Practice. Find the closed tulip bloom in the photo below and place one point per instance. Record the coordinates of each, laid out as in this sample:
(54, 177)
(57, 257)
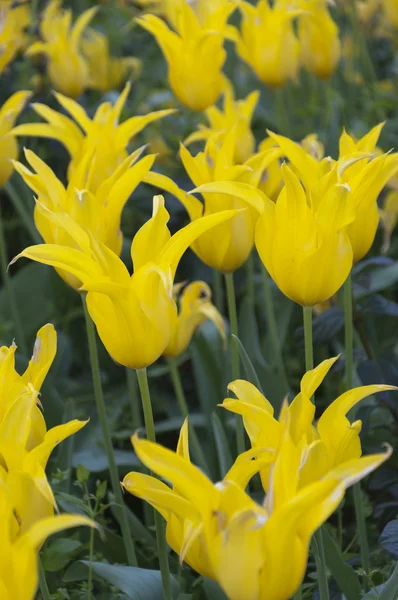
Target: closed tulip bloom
(329, 444)
(267, 42)
(8, 143)
(80, 133)
(99, 212)
(223, 534)
(135, 315)
(67, 68)
(227, 247)
(25, 443)
(235, 114)
(106, 73)
(195, 307)
(194, 53)
(19, 566)
(320, 47)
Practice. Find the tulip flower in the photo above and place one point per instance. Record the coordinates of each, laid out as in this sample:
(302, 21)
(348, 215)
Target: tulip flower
(235, 114)
(8, 143)
(99, 212)
(223, 534)
(105, 72)
(391, 10)
(14, 20)
(25, 443)
(195, 307)
(194, 53)
(227, 247)
(302, 244)
(357, 169)
(135, 315)
(329, 444)
(19, 566)
(267, 42)
(320, 47)
(104, 132)
(389, 217)
(61, 43)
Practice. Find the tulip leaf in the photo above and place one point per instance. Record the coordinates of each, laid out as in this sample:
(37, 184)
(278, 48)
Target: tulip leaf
(250, 372)
(213, 590)
(223, 451)
(342, 572)
(390, 588)
(389, 538)
(380, 280)
(136, 583)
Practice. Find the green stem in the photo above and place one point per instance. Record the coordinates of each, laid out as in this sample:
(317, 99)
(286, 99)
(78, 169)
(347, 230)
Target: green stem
(90, 566)
(133, 395)
(299, 594)
(45, 592)
(233, 320)
(349, 363)
(317, 544)
(218, 291)
(25, 216)
(183, 406)
(273, 328)
(281, 112)
(12, 303)
(159, 525)
(99, 399)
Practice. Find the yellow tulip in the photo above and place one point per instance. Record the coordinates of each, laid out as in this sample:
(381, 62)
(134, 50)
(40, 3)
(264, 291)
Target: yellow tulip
(320, 47)
(105, 72)
(301, 243)
(391, 10)
(19, 550)
(98, 212)
(8, 143)
(14, 20)
(389, 217)
(223, 534)
(357, 169)
(104, 132)
(329, 444)
(25, 443)
(194, 53)
(61, 43)
(227, 247)
(235, 114)
(135, 315)
(267, 42)
(195, 307)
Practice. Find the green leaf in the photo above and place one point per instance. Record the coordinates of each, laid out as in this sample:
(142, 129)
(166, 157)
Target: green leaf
(249, 331)
(136, 583)
(343, 573)
(139, 532)
(390, 589)
(380, 280)
(59, 552)
(250, 371)
(389, 538)
(213, 590)
(223, 451)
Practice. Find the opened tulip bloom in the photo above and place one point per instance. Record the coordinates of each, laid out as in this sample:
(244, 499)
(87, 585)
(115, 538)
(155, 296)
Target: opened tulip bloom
(67, 68)
(18, 567)
(79, 135)
(227, 247)
(235, 114)
(223, 534)
(320, 47)
(135, 314)
(194, 53)
(195, 307)
(99, 211)
(25, 443)
(267, 42)
(8, 143)
(105, 72)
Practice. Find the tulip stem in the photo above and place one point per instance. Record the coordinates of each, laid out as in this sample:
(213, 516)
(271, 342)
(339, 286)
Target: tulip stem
(24, 215)
(218, 291)
(133, 395)
(233, 320)
(114, 475)
(45, 592)
(183, 406)
(317, 543)
(282, 116)
(349, 365)
(12, 303)
(273, 328)
(159, 525)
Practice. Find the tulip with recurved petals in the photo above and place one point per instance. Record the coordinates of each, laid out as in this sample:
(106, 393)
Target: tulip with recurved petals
(135, 315)
(8, 143)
